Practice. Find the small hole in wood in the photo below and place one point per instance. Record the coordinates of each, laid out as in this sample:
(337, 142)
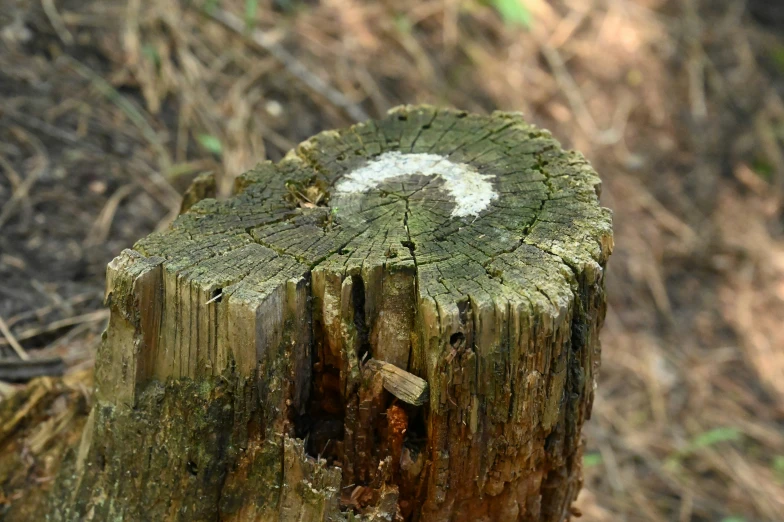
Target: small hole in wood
(417, 426)
(462, 115)
(193, 469)
(426, 126)
(217, 295)
(409, 245)
(402, 117)
(457, 339)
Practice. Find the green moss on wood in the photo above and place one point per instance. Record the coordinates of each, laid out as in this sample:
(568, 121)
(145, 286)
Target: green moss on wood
(242, 330)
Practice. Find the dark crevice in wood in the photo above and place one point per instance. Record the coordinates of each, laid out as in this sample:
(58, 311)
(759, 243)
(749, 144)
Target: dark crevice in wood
(360, 323)
(323, 424)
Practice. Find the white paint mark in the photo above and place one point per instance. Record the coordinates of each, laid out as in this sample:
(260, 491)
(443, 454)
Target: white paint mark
(471, 190)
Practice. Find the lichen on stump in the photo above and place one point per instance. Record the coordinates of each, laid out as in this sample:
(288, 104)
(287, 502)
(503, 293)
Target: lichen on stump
(250, 367)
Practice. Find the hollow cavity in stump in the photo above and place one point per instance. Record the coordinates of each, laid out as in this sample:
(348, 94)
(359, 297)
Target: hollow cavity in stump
(398, 321)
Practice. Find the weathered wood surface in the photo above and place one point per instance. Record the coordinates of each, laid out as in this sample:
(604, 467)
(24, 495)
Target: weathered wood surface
(232, 382)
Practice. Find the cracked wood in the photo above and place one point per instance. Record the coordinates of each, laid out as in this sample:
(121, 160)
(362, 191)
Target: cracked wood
(230, 383)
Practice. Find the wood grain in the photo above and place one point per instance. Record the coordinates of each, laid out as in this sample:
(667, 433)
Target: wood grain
(231, 379)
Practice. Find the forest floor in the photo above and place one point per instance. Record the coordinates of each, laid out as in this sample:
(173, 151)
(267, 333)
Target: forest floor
(109, 108)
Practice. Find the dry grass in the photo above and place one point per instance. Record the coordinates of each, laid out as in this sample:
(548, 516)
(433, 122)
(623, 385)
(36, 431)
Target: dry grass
(678, 104)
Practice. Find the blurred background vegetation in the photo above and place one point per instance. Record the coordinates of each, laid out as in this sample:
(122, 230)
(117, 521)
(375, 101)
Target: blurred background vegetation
(108, 109)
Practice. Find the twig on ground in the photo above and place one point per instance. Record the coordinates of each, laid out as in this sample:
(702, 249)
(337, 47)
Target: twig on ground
(97, 315)
(12, 370)
(10, 339)
(695, 64)
(11, 173)
(150, 180)
(57, 22)
(24, 188)
(30, 121)
(100, 229)
(125, 105)
(40, 312)
(575, 98)
(290, 63)
(51, 295)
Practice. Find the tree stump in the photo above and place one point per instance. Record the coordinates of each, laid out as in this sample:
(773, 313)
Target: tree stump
(398, 321)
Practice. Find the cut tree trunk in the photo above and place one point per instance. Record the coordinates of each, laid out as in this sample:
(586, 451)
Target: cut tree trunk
(398, 321)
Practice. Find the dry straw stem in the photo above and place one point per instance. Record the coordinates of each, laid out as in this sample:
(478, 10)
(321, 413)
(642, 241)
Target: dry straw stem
(22, 191)
(291, 63)
(10, 339)
(30, 333)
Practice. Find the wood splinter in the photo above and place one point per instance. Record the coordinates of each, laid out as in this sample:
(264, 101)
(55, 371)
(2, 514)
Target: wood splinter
(404, 385)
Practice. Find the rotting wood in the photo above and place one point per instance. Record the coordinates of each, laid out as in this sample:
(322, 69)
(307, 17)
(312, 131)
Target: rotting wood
(230, 384)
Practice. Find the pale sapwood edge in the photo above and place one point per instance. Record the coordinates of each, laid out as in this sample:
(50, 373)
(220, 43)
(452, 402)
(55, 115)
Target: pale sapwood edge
(230, 383)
